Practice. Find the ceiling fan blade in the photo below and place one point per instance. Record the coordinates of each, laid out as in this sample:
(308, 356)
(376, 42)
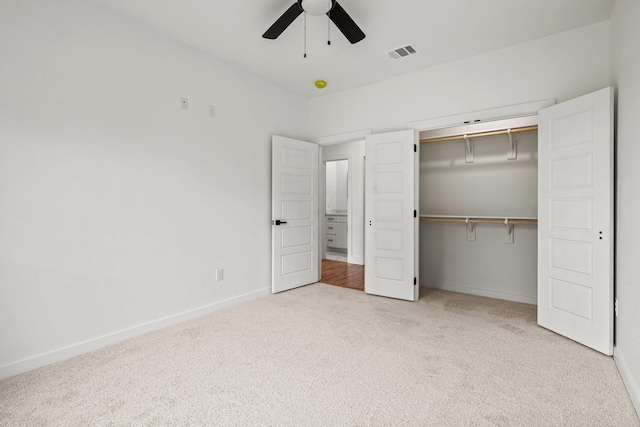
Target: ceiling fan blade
(283, 22)
(343, 21)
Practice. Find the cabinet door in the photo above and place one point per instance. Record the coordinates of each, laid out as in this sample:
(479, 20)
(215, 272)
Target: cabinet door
(341, 235)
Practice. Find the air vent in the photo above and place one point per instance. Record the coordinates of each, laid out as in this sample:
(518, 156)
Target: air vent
(402, 52)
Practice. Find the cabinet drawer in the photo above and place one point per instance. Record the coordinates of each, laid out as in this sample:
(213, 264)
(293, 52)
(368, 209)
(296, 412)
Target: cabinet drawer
(331, 240)
(330, 228)
(330, 218)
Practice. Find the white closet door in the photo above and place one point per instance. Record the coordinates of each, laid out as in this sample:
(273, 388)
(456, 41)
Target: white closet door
(391, 222)
(575, 228)
(294, 203)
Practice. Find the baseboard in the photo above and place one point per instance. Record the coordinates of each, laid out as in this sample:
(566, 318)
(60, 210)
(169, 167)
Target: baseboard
(97, 343)
(633, 388)
(355, 260)
(482, 292)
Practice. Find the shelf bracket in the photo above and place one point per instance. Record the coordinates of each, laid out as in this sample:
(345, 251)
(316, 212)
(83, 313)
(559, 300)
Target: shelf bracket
(471, 230)
(468, 157)
(508, 238)
(512, 154)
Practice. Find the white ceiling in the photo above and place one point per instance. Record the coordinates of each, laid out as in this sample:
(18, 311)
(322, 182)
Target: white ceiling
(441, 31)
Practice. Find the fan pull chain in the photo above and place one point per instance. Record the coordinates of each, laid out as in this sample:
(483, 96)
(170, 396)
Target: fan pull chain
(305, 34)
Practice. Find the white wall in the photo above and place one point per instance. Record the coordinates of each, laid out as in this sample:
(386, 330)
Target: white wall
(337, 186)
(491, 185)
(116, 207)
(562, 66)
(330, 180)
(342, 171)
(625, 36)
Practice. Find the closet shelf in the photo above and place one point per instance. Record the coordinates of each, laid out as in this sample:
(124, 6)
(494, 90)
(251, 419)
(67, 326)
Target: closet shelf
(479, 219)
(478, 135)
(470, 222)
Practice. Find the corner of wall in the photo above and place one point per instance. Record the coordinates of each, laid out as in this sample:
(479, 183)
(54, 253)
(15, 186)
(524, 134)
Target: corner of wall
(633, 388)
(624, 71)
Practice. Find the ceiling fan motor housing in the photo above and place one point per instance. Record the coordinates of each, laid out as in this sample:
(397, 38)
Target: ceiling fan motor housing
(316, 7)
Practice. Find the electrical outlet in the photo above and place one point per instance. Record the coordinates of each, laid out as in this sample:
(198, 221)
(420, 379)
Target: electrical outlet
(219, 274)
(212, 111)
(184, 104)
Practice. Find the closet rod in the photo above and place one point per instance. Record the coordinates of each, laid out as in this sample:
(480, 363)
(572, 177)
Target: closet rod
(481, 221)
(478, 135)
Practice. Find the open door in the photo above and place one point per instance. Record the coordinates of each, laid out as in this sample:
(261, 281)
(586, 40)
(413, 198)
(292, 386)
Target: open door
(294, 202)
(391, 217)
(575, 219)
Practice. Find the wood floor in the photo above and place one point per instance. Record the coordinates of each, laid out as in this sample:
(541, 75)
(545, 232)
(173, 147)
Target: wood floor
(342, 274)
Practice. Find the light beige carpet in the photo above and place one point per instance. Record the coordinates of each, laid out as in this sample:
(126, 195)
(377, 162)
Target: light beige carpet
(329, 356)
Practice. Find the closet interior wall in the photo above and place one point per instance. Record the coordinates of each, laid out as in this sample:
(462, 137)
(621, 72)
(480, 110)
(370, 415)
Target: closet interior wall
(490, 186)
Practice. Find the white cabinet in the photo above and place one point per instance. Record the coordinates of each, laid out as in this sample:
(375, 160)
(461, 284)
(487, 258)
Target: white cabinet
(336, 231)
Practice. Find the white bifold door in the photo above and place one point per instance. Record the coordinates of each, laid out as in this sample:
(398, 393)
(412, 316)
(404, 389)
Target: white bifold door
(391, 216)
(294, 220)
(575, 219)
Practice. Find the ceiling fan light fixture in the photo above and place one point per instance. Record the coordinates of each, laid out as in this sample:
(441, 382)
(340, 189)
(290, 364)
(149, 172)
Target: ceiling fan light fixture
(331, 8)
(316, 7)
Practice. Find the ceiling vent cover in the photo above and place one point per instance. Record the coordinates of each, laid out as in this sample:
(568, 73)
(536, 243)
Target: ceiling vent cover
(402, 52)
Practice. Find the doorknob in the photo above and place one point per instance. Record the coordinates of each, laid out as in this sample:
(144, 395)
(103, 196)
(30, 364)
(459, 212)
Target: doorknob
(278, 222)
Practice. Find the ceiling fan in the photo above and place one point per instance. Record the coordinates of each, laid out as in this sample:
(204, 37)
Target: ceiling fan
(331, 8)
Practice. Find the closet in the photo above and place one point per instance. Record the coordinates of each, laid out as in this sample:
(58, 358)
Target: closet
(522, 209)
(478, 208)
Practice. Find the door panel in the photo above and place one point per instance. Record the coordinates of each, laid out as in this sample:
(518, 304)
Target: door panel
(575, 224)
(391, 227)
(294, 203)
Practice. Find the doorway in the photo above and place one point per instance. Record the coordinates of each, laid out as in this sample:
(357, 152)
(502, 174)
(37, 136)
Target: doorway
(298, 222)
(342, 214)
(336, 211)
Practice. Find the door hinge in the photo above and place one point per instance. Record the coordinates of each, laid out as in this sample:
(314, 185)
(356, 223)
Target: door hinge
(616, 307)
(415, 281)
(415, 148)
(415, 213)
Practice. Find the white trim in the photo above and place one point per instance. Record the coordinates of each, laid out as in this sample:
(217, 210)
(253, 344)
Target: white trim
(518, 110)
(322, 206)
(343, 137)
(482, 292)
(97, 343)
(633, 388)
